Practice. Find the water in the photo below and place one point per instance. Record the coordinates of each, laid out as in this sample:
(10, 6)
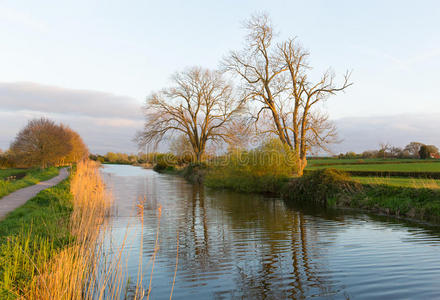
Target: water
(235, 245)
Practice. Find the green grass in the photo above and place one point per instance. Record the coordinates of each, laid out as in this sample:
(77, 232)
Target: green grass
(4, 173)
(399, 182)
(390, 196)
(31, 235)
(415, 203)
(399, 167)
(337, 161)
(32, 177)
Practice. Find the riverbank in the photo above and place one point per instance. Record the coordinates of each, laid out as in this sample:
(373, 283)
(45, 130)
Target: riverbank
(31, 235)
(330, 188)
(48, 246)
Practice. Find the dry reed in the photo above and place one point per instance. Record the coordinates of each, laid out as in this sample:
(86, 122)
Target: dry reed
(86, 269)
(72, 273)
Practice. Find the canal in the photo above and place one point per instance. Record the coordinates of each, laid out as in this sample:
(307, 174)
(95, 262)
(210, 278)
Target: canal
(231, 245)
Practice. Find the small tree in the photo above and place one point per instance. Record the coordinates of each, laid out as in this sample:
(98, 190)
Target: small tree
(384, 149)
(41, 142)
(413, 149)
(426, 151)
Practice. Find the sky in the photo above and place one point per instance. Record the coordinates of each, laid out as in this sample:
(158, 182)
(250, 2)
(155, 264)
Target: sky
(91, 64)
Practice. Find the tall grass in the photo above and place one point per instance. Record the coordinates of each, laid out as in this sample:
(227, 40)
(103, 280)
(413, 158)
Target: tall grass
(71, 273)
(71, 260)
(30, 236)
(59, 261)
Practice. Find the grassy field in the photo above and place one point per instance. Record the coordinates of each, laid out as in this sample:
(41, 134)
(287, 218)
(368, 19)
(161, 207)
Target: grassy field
(405, 166)
(400, 182)
(397, 167)
(32, 177)
(336, 161)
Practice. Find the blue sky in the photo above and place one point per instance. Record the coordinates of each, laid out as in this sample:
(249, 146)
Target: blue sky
(101, 59)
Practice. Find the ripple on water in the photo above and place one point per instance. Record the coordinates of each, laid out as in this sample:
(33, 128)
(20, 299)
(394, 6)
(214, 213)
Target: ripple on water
(248, 246)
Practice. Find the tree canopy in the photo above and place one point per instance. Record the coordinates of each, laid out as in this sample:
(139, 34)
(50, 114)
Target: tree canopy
(44, 143)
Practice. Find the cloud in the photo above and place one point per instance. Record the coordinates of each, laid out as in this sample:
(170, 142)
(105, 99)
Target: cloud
(106, 122)
(109, 122)
(36, 97)
(365, 133)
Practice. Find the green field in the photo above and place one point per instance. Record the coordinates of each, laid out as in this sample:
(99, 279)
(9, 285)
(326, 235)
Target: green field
(336, 161)
(384, 167)
(400, 182)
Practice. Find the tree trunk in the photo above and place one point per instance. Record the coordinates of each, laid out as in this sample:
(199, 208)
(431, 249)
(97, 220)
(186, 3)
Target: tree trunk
(199, 157)
(302, 163)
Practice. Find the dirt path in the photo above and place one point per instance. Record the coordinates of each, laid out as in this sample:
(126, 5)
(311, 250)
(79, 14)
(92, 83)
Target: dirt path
(16, 199)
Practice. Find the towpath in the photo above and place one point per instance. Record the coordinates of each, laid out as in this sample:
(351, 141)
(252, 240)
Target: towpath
(16, 199)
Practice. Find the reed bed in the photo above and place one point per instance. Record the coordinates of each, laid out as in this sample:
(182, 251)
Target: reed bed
(72, 273)
(76, 260)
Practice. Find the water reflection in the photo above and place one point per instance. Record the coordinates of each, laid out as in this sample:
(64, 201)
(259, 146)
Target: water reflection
(249, 246)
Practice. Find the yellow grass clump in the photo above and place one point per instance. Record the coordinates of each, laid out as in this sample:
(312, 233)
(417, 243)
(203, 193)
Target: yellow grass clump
(75, 273)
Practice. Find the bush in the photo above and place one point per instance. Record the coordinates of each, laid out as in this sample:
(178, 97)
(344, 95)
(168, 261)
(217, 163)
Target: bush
(264, 169)
(165, 162)
(320, 186)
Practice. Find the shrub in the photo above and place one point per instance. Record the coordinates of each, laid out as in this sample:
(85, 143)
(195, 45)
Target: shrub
(264, 169)
(165, 162)
(320, 186)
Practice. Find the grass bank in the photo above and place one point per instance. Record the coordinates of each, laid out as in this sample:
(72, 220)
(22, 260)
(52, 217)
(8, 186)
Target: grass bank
(405, 182)
(335, 188)
(31, 235)
(48, 246)
(9, 184)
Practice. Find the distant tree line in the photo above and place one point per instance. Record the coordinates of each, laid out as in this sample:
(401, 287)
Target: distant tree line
(146, 159)
(412, 150)
(43, 143)
(181, 153)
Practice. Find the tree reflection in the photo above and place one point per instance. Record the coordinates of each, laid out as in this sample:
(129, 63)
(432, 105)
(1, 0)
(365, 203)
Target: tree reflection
(236, 245)
(267, 248)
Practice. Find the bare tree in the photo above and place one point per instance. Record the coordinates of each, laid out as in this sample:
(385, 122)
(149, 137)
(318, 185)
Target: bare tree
(200, 105)
(41, 142)
(384, 149)
(413, 149)
(276, 77)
